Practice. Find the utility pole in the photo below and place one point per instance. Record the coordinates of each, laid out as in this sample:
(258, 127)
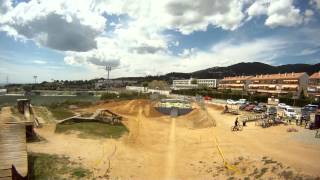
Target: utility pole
(7, 79)
(35, 79)
(108, 69)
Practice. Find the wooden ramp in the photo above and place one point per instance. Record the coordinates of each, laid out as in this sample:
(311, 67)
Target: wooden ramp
(13, 150)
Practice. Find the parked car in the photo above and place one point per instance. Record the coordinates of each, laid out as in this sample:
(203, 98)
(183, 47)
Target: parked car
(272, 111)
(250, 107)
(230, 101)
(242, 106)
(261, 107)
(282, 105)
(289, 112)
(241, 101)
(311, 108)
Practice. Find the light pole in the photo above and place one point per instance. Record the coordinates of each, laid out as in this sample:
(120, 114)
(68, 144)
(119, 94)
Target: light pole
(35, 79)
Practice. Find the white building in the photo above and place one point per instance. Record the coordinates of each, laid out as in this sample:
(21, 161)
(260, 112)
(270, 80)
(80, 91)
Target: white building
(3, 91)
(211, 83)
(157, 91)
(194, 83)
(137, 89)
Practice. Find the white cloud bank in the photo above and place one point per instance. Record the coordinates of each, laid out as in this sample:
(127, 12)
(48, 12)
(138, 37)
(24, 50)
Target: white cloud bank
(138, 44)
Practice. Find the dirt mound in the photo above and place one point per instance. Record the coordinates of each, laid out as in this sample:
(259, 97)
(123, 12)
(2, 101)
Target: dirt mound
(197, 118)
(127, 107)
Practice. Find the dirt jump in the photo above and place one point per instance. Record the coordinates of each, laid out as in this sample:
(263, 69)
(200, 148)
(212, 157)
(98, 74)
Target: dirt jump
(185, 147)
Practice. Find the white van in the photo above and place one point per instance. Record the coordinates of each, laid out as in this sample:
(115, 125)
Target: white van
(289, 112)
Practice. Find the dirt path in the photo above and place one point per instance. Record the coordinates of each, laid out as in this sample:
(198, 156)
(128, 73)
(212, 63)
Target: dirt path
(274, 142)
(160, 147)
(171, 152)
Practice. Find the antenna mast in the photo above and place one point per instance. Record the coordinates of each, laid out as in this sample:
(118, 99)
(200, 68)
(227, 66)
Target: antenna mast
(35, 79)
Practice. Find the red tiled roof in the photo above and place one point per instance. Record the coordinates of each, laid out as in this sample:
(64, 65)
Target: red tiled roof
(278, 76)
(237, 78)
(315, 75)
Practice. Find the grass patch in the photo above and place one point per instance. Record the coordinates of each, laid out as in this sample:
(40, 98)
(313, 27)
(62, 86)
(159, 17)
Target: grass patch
(62, 110)
(43, 113)
(93, 129)
(60, 113)
(286, 174)
(45, 166)
(262, 172)
(87, 114)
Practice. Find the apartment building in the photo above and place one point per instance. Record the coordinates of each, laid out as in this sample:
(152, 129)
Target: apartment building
(275, 84)
(194, 83)
(236, 83)
(211, 83)
(314, 85)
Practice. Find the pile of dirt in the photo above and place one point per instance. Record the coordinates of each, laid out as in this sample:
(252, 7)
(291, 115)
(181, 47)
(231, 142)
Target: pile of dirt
(245, 168)
(197, 119)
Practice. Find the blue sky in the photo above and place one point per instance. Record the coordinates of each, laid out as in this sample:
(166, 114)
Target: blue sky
(68, 40)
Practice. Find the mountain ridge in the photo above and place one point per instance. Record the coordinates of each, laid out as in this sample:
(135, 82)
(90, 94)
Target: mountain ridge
(243, 68)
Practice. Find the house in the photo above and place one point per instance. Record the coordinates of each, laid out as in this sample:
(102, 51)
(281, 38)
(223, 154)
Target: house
(314, 85)
(236, 83)
(194, 83)
(276, 84)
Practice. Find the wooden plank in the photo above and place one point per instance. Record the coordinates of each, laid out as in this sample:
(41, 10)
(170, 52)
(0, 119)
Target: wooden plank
(5, 172)
(6, 178)
(13, 149)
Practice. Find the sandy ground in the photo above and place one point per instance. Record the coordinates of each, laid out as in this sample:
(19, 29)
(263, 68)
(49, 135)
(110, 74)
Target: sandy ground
(161, 147)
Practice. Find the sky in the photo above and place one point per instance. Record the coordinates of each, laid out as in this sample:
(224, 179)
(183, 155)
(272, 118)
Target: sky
(75, 40)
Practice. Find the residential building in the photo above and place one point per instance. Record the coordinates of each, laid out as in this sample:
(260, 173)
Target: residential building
(211, 83)
(194, 83)
(276, 84)
(3, 91)
(184, 84)
(314, 85)
(237, 83)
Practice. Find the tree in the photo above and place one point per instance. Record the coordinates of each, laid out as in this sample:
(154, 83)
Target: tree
(145, 84)
(162, 85)
(302, 95)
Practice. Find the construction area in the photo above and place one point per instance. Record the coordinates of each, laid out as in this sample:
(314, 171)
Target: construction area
(195, 145)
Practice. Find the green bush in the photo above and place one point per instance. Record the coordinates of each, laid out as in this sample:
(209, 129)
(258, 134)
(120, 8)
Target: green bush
(46, 166)
(125, 95)
(93, 129)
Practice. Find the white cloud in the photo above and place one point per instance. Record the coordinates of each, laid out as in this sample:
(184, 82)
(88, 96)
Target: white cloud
(279, 13)
(61, 25)
(39, 62)
(5, 6)
(138, 45)
(258, 8)
(307, 51)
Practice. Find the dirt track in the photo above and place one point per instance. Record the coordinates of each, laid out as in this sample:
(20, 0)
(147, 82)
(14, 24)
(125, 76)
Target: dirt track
(159, 147)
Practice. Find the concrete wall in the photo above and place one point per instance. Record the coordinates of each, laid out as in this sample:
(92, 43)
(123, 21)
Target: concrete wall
(137, 88)
(181, 111)
(162, 92)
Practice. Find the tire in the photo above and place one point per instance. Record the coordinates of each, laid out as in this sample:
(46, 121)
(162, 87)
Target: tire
(240, 128)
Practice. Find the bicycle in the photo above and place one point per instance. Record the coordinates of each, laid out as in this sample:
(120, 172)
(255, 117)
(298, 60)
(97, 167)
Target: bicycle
(237, 128)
